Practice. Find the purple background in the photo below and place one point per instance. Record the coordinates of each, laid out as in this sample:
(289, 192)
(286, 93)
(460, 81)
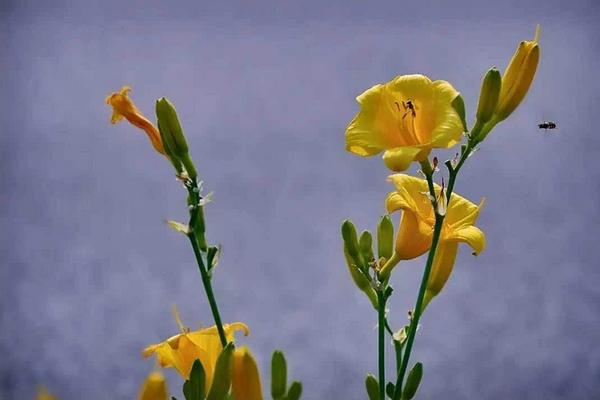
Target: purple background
(89, 271)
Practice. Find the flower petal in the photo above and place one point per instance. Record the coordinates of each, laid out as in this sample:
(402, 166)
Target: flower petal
(372, 129)
(448, 127)
(399, 158)
(471, 235)
(414, 236)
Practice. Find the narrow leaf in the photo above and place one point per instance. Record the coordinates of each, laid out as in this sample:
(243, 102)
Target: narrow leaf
(372, 386)
(295, 391)
(412, 382)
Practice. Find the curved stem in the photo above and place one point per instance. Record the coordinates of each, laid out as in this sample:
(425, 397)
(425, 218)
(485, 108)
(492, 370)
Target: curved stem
(381, 341)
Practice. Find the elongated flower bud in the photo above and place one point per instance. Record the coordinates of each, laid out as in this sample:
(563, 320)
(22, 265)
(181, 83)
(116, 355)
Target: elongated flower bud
(385, 237)
(518, 76)
(154, 387)
(489, 95)
(351, 243)
(246, 378)
(360, 280)
(172, 135)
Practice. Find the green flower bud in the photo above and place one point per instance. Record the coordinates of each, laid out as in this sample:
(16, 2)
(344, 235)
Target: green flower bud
(372, 386)
(489, 95)
(360, 280)
(351, 243)
(278, 375)
(222, 376)
(385, 237)
(295, 391)
(365, 243)
(172, 135)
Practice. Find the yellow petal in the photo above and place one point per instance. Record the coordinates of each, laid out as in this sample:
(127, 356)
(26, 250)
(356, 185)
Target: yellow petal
(411, 194)
(471, 235)
(414, 237)
(398, 159)
(154, 387)
(462, 212)
(246, 377)
(372, 129)
(442, 266)
(447, 128)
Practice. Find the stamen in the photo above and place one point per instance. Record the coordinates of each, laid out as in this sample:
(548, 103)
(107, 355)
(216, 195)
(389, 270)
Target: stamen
(178, 319)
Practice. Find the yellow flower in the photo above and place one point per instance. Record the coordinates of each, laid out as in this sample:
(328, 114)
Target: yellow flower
(154, 387)
(42, 394)
(417, 222)
(518, 76)
(405, 118)
(246, 378)
(180, 351)
(123, 107)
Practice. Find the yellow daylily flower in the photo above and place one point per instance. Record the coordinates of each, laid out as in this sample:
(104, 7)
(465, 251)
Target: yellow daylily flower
(154, 387)
(416, 227)
(245, 381)
(181, 350)
(42, 394)
(518, 76)
(405, 118)
(123, 107)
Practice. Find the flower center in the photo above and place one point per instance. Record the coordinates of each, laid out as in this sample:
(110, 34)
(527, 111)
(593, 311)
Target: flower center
(408, 114)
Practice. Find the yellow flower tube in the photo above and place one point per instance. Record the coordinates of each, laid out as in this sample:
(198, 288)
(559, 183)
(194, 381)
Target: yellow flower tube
(181, 350)
(154, 387)
(123, 107)
(405, 118)
(416, 228)
(246, 377)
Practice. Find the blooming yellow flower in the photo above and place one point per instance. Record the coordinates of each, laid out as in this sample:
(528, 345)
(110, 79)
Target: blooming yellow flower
(123, 107)
(154, 387)
(245, 381)
(405, 118)
(180, 351)
(417, 222)
(518, 76)
(42, 394)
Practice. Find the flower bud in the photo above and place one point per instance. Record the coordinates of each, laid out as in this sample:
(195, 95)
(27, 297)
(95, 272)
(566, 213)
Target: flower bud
(360, 280)
(489, 95)
(351, 243)
(518, 76)
(154, 387)
(365, 242)
(246, 378)
(172, 135)
(385, 237)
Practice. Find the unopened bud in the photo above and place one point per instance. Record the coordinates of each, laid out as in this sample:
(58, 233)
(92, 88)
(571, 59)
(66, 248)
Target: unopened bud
(351, 243)
(172, 135)
(385, 237)
(489, 95)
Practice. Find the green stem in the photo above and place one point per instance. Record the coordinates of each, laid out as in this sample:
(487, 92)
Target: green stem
(198, 242)
(381, 340)
(208, 289)
(417, 312)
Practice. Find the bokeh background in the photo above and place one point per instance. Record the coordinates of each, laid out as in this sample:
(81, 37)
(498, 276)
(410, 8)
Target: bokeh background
(89, 270)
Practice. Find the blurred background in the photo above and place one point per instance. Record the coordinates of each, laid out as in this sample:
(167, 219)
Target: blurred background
(89, 270)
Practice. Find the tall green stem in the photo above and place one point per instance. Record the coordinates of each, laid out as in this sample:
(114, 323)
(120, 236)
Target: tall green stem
(437, 230)
(417, 312)
(381, 341)
(197, 240)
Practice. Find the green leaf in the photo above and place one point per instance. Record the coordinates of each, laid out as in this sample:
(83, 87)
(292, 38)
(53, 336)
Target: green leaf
(278, 375)
(193, 388)
(212, 256)
(413, 381)
(222, 376)
(365, 243)
(385, 237)
(295, 391)
(459, 106)
(372, 386)
(389, 389)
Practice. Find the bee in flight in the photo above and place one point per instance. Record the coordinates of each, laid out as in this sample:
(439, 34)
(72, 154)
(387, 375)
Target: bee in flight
(547, 125)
